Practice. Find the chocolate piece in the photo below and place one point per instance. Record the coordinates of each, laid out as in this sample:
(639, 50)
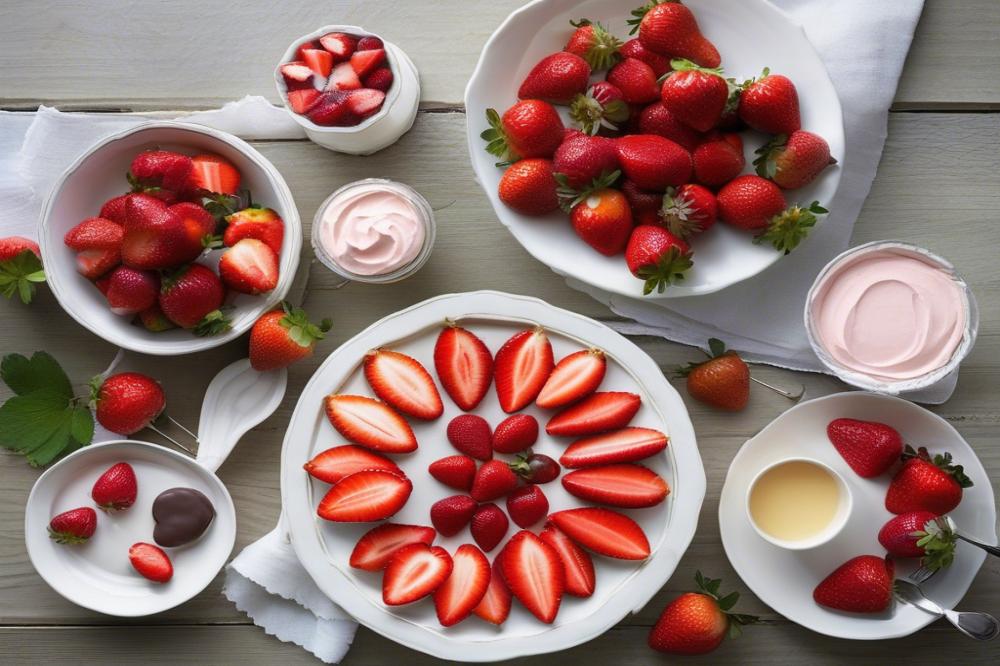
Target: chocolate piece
(182, 515)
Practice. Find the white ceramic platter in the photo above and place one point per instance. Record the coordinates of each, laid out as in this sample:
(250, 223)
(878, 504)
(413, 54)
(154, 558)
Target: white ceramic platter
(785, 580)
(750, 35)
(622, 587)
(97, 574)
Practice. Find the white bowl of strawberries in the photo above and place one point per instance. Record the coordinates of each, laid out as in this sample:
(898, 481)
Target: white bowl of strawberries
(649, 146)
(184, 253)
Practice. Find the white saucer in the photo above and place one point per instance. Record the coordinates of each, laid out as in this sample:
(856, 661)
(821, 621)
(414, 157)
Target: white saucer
(785, 579)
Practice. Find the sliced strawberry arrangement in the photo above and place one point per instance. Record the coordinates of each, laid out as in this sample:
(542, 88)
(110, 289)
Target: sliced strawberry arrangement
(370, 423)
(521, 368)
(495, 605)
(414, 572)
(377, 546)
(621, 446)
(573, 378)
(365, 496)
(465, 588)
(402, 382)
(333, 465)
(598, 413)
(534, 574)
(464, 366)
(604, 531)
(577, 564)
(624, 485)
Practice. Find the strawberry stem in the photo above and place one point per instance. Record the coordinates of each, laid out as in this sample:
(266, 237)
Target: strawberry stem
(790, 227)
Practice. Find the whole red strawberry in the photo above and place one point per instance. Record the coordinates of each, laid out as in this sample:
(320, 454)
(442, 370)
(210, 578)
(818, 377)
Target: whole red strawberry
(97, 242)
(688, 210)
(592, 42)
(860, 585)
(926, 483)
(754, 203)
(73, 526)
(191, 298)
(493, 480)
(582, 159)
(870, 448)
(653, 162)
(454, 471)
(636, 80)
(603, 219)
(601, 110)
(114, 209)
(515, 433)
(451, 514)
(645, 204)
(919, 534)
(670, 28)
(282, 337)
(718, 160)
(489, 526)
(794, 160)
(770, 104)
(471, 435)
(657, 257)
(530, 128)
(557, 78)
(163, 173)
(131, 291)
(634, 48)
(527, 505)
(698, 622)
(695, 95)
(116, 489)
(127, 402)
(158, 236)
(722, 381)
(657, 119)
(529, 187)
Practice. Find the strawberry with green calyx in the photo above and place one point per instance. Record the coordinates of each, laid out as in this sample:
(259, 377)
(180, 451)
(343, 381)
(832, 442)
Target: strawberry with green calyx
(254, 221)
(920, 534)
(769, 104)
(926, 483)
(601, 107)
(73, 526)
(788, 229)
(571, 195)
(722, 381)
(756, 204)
(557, 78)
(584, 162)
(695, 95)
(592, 42)
(282, 337)
(657, 257)
(697, 622)
(688, 210)
(20, 267)
(793, 160)
(670, 28)
(530, 128)
(602, 218)
(192, 298)
(127, 402)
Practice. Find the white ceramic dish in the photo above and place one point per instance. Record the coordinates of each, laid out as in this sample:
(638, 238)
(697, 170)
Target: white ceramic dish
(785, 580)
(98, 175)
(378, 131)
(750, 35)
(97, 574)
(622, 587)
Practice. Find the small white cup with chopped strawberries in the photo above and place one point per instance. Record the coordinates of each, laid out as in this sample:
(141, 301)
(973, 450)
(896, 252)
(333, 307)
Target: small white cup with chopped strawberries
(352, 91)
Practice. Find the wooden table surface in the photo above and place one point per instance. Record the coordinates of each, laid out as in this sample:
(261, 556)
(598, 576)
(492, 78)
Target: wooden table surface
(937, 186)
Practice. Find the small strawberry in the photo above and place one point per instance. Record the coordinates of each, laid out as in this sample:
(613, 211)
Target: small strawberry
(722, 381)
(557, 78)
(583, 162)
(920, 534)
(688, 210)
(413, 572)
(282, 337)
(116, 488)
(657, 256)
(657, 119)
(379, 79)
(634, 48)
(755, 203)
(215, 174)
(529, 187)
(645, 204)
(515, 433)
(592, 42)
(695, 95)
(521, 367)
(155, 170)
(454, 471)
(718, 159)
(653, 162)
(127, 402)
(493, 480)
(262, 224)
(598, 412)
(636, 80)
(131, 291)
(527, 505)
(191, 298)
(770, 104)
(670, 29)
(794, 160)
(575, 377)
(402, 382)
(151, 562)
(320, 61)
(870, 448)
(530, 128)
(698, 622)
(249, 267)
(603, 219)
(451, 514)
(365, 496)
(489, 526)
(340, 45)
(94, 233)
(464, 366)
(367, 61)
(471, 435)
(73, 526)
(926, 483)
(601, 110)
(861, 585)
(157, 236)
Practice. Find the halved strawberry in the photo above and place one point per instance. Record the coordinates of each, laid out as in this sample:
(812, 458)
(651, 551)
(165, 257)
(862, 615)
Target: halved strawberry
(620, 446)
(377, 546)
(343, 77)
(370, 423)
(299, 52)
(574, 377)
(338, 44)
(365, 102)
(402, 382)
(319, 61)
(413, 572)
(338, 462)
(364, 62)
(522, 366)
(331, 109)
(534, 574)
(92, 264)
(214, 173)
(456, 598)
(365, 496)
(297, 75)
(300, 101)
(579, 567)
(609, 410)
(603, 531)
(464, 365)
(495, 606)
(454, 471)
(249, 267)
(625, 485)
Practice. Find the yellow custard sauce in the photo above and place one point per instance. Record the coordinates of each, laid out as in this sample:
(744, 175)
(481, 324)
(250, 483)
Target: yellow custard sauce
(795, 500)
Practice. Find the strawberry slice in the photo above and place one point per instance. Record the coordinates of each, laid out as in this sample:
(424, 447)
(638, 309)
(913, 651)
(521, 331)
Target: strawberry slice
(249, 267)
(464, 365)
(320, 61)
(343, 77)
(626, 485)
(620, 446)
(402, 382)
(367, 61)
(465, 588)
(522, 367)
(600, 412)
(151, 562)
(299, 53)
(413, 572)
(370, 423)
(377, 546)
(575, 377)
(92, 264)
(365, 496)
(365, 101)
(495, 606)
(214, 173)
(331, 109)
(603, 531)
(534, 574)
(579, 568)
(338, 462)
(297, 75)
(300, 101)
(338, 44)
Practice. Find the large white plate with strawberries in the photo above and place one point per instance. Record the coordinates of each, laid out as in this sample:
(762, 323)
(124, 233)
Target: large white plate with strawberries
(785, 579)
(749, 36)
(655, 540)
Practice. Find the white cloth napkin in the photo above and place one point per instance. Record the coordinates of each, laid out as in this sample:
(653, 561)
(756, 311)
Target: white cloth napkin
(863, 45)
(266, 580)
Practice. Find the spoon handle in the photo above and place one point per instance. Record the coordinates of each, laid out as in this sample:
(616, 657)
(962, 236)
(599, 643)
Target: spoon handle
(981, 626)
(992, 550)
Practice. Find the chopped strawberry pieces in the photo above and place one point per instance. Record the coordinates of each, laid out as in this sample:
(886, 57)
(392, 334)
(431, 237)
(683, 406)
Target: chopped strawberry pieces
(214, 173)
(331, 109)
(341, 46)
(365, 102)
(319, 61)
(370, 42)
(301, 101)
(343, 77)
(380, 79)
(249, 267)
(296, 74)
(364, 62)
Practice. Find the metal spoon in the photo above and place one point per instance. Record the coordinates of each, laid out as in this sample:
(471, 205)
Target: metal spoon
(946, 523)
(981, 626)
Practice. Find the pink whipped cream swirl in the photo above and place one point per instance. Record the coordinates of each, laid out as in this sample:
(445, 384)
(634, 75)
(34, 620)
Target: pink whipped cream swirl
(889, 314)
(372, 229)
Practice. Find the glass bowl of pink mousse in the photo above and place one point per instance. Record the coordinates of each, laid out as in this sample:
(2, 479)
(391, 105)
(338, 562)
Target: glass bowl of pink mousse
(374, 231)
(891, 317)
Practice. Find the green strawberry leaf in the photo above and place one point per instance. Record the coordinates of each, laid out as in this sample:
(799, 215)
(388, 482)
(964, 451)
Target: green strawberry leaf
(28, 421)
(41, 371)
(81, 425)
(20, 274)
